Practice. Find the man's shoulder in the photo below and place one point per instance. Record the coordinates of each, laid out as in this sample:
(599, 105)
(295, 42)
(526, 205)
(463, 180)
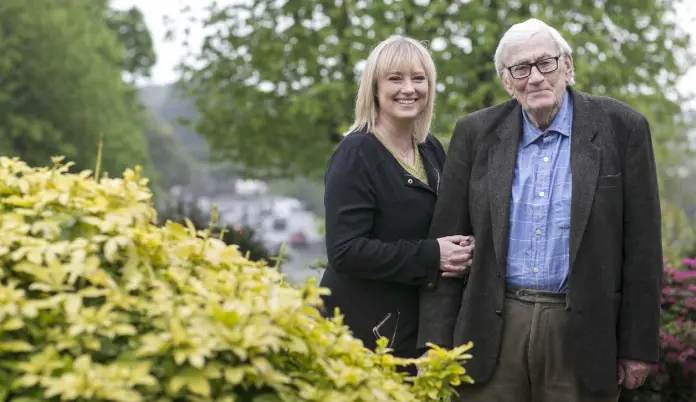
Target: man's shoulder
(478, 124)
(488, 116)
(615, 109)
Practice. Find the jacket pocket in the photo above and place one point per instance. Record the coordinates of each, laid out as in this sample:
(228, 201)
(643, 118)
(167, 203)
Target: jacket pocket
(613, 180)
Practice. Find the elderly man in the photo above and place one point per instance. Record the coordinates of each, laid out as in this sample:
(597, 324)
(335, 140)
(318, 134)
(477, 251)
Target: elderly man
(559, 188)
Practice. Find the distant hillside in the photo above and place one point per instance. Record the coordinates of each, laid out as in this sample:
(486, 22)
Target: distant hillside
(168, 104)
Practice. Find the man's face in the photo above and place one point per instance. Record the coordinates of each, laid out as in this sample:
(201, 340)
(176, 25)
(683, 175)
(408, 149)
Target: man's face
(538, 89)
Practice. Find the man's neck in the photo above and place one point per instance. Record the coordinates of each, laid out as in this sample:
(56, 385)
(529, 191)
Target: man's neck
(542, 119)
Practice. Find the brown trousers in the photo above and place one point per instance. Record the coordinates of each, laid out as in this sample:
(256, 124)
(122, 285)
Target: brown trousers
(534, 364)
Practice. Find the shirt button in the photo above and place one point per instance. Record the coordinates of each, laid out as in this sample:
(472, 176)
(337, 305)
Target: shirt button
(541, 194)
(535, 269)
(546, 158)
(538, 231)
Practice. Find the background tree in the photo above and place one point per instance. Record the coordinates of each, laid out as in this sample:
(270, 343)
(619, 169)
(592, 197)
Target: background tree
(129, 25)
(274, 82)
(61, 87)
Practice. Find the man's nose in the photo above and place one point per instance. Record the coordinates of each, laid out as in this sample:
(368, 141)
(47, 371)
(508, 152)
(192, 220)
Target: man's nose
(536, 76)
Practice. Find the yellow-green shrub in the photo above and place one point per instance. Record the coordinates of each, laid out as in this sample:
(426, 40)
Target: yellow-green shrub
(99, 304)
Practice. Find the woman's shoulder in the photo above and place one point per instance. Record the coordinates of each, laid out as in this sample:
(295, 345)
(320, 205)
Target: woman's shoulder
(435, 146)
(357, 139)
(360, 142)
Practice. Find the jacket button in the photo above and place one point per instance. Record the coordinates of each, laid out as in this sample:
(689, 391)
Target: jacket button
(499, 312)
(410, 181)
(430, 285)
(498, 274)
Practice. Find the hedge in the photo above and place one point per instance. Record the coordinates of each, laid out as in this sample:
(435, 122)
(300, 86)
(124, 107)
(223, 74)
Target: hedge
(98, 303)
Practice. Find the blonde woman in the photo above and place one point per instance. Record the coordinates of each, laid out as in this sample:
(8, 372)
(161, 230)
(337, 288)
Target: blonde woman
(381, 187)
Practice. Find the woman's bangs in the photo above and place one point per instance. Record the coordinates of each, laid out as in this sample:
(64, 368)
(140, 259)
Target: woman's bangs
(402, 58)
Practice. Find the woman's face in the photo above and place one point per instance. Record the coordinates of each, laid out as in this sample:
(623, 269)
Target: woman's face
(403, 95)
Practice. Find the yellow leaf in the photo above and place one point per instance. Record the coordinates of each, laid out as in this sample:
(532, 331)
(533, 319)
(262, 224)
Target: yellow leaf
(176, 383)
(199, 385)
(73, 304)
(15, 346)
(12, 324)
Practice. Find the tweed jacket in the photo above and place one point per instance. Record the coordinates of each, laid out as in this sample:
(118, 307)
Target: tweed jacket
(615, 268)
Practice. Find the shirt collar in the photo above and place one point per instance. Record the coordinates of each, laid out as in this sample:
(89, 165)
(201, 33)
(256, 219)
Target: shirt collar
(561, 123)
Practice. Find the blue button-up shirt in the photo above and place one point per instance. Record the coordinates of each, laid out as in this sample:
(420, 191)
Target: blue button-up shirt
(538, 247)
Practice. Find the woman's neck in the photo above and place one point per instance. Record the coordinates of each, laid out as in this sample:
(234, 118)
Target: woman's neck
(399, 136)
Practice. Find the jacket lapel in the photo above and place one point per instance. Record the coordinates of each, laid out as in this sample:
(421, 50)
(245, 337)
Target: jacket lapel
(585, 159)
(501, 166)
(431, 169)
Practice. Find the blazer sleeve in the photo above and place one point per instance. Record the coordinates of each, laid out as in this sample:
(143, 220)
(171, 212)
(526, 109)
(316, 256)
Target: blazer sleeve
(350, 205)
(639, 314)
(439, 304)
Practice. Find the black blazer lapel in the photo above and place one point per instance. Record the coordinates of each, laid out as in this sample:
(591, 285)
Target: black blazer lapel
(501, 167)
(585, 159)
(434, 174)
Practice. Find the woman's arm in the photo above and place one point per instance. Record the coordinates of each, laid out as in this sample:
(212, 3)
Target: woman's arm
(350, 205)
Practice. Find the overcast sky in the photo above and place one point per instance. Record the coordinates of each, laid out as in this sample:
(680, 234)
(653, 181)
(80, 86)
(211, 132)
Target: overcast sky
(169, 53)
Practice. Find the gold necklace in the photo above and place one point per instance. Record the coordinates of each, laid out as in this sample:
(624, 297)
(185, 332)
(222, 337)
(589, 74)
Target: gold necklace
(403, 155)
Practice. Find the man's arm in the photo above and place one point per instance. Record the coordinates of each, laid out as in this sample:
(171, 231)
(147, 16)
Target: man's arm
(439, 305)
(639, 316)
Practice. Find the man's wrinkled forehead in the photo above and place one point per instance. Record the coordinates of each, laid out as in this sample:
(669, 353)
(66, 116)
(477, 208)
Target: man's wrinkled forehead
(538, 47)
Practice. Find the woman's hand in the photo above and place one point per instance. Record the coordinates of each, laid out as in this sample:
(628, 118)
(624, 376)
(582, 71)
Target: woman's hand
(456, 255)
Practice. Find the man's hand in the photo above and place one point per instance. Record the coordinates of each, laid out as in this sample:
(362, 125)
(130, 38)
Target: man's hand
(632, 374)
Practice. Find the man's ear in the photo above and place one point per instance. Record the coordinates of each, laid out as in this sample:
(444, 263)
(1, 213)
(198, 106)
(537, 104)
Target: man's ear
(568, 62)
(507, 83)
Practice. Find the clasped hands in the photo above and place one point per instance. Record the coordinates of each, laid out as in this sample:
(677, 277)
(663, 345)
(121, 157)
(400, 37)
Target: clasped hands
(456, 255)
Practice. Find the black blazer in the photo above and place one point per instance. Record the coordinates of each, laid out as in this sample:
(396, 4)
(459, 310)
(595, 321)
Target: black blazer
(615, 248)
(377, 221)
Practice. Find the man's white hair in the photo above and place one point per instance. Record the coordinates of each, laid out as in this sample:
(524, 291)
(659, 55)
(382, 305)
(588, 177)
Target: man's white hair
(523, 32)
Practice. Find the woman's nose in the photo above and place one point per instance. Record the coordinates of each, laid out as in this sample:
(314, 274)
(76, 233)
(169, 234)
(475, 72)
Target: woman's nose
(407, 87)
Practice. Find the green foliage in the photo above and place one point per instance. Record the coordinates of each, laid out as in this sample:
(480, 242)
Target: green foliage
(275, 81)
(61, 87)
(132, 32)
(678, 235)
(97, 303)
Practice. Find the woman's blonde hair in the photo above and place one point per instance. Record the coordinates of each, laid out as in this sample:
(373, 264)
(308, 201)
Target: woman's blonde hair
(397, 53)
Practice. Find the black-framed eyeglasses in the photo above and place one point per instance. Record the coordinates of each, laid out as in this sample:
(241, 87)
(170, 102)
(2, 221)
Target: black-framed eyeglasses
(545, 66)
